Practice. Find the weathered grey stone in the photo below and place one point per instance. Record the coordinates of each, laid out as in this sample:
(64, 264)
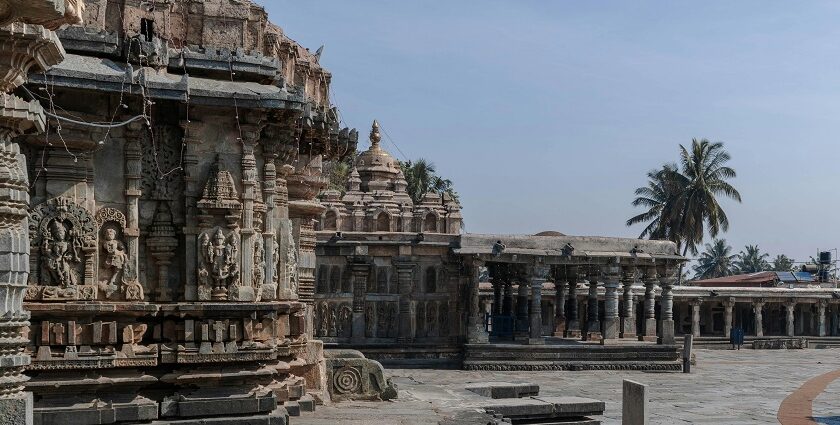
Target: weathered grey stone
(16, 410)
(355, 378)
(504, 389)
(634, 403)
(545, 408)
(293, 407)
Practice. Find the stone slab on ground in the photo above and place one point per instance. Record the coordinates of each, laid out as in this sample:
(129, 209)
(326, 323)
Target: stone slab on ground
(725, 387)
(277, 417)
(504, 389)
(546, 408)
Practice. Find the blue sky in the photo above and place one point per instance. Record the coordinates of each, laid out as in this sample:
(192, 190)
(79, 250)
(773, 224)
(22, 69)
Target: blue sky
(548, 114)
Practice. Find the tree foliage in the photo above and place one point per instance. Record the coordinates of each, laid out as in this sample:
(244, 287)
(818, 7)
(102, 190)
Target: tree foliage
(716, 260)
(421, 176)
(782, 263)
(752, 260)
(682, 199)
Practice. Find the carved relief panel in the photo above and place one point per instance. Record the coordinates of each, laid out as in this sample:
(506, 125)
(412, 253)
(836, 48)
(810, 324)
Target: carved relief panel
(63, 252)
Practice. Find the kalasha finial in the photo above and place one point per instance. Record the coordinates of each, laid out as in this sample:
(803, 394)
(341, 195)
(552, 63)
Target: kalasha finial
(375, 137)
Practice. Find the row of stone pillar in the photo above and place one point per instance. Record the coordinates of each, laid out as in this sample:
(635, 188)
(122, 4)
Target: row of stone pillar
(758, 311)
(617, 323)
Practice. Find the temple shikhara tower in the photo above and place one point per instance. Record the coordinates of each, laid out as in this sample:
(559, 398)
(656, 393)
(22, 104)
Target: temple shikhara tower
(159, 180)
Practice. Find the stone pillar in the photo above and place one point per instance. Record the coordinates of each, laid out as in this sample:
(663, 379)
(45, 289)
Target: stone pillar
(821, 305)
(192, 192)
(666, 315)
(476, 333)
(628, 319)
(250, 136)
(24, 48)
(507, 303)
(593, 325)
(133, 191)
(572, 319)
(269, 236)
(360, 278)
(790, 306)
(727, 316)
(522, 319)
(497, 297)
(758, 309)
(650, 280)
(539, 275)
(560, 293)
(405, 276)
(611, 321)
(695, 317)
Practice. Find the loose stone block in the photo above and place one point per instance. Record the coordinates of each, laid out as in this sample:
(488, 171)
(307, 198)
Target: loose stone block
(16, 410)
(634, 403)
(504, 389)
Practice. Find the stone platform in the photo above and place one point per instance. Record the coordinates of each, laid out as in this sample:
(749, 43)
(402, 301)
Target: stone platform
(561, 354)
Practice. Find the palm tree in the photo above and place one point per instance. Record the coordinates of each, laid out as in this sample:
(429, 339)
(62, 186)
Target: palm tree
(419, 175)
(752, 260)
(421, 178)
(782, 263)
(682, 201)
(706, 173)
(659, 197)
(716, 261)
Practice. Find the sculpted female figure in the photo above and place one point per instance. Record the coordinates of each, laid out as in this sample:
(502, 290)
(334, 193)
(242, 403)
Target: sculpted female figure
(115, 255)
(61, 251)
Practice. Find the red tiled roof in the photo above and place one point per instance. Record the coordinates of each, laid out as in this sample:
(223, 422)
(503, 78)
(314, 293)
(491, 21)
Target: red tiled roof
(753, 280)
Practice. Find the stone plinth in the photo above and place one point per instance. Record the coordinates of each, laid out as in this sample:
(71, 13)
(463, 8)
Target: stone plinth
(634, 404)
(504, 389)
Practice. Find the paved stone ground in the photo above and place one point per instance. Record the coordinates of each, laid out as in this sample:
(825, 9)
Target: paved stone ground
(727, 387)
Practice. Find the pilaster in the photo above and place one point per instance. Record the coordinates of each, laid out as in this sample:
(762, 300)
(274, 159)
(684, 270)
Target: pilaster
(475, 323)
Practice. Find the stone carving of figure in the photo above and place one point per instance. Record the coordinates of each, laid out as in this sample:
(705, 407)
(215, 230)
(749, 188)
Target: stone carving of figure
(382, 320)
(345, 319)
(392, 320)
(370, 316)
(218, 264)
(259, 263)
(291, 262)
(443, 311)
(116, 258)
(62, 251)
(431, 317)
(333, 322)
(322, 316)
(421, 319)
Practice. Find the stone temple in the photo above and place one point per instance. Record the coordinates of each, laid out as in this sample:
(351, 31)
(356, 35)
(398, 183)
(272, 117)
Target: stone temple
(169, 253)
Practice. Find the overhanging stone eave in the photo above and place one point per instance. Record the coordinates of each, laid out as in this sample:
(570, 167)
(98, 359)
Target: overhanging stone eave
(105, 75)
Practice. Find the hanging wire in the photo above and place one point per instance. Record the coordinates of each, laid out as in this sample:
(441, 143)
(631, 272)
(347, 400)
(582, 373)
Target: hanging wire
(393, 143)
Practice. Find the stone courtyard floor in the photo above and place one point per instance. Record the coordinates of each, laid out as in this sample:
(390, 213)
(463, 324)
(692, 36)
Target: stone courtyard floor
(726, 387)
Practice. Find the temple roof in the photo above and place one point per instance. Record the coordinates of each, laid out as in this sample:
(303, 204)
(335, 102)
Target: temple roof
(562, 246)
(87, 72)
(376, 159)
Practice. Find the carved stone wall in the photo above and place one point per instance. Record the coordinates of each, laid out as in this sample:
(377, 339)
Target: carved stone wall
(409, 295)
(25, 47)
(173, 254)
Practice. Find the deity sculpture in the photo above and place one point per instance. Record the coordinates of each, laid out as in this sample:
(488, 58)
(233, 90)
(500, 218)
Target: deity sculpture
(116, 258)
(218, 264)
(61, 250)
(259, 263)
(291, 262)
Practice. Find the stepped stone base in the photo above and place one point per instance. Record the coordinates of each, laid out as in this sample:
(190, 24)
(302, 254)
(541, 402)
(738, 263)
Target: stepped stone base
(511, 357)
(278, 417)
